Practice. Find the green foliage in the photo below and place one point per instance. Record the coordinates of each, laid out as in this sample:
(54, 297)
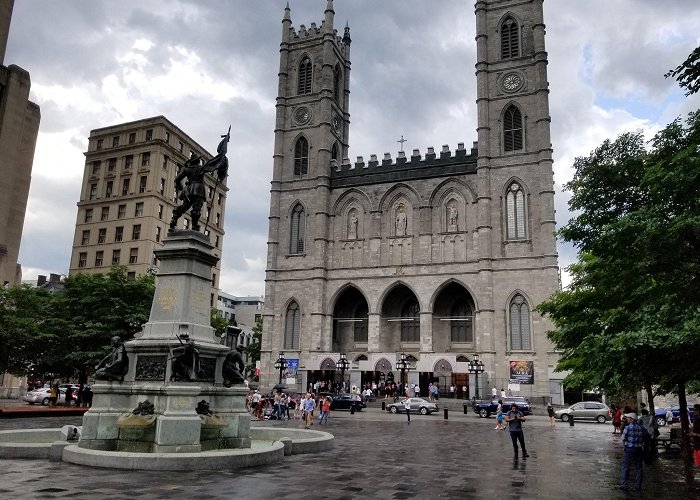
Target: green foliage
(218, 323)
(688, 74)
(253, 349)
(631, 316)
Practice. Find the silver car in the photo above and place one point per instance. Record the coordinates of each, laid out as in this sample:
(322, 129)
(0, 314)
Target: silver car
(419, 405)
(42, 396)
(586, 410)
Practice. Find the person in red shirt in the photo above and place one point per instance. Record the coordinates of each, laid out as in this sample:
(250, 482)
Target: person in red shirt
(695, 434)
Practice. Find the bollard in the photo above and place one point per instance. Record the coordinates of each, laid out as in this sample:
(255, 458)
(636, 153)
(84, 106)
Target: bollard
(352, 409)
(445, 414)
(383, 405)
(465, 408)
(571, 420)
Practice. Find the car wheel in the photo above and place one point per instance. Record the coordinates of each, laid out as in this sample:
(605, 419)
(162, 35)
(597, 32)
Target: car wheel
(30, 402)
(565, 417)
(45, 402)
(484, 413)
(423, 411)
(393, 409)
(660, 421)
(601, 419)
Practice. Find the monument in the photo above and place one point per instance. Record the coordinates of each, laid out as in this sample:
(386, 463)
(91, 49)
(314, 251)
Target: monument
(176, 365)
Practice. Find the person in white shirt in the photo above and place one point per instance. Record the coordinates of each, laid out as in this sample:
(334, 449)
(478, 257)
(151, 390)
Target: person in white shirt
(407, 406)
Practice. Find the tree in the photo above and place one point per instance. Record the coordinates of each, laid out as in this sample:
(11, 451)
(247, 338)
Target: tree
(218, 323)
(631, 316)
(688, 74)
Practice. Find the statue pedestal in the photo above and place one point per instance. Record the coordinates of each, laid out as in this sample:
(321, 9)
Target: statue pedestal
(181, 308)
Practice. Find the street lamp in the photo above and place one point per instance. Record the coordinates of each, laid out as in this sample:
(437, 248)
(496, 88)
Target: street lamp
(343, 364)
(281, 365)
(476, 367)
(402, 366)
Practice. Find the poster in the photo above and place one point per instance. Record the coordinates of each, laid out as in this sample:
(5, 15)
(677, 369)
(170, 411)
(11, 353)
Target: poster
(522, 372)
(290, 374)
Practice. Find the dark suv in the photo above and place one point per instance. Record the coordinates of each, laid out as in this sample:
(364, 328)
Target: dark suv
(486, 408)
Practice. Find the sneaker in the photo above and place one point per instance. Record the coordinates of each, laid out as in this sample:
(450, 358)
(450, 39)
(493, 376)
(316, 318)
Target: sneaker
(497, 428)
(525, 455)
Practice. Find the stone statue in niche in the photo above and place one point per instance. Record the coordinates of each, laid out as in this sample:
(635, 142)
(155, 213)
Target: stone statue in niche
(115, 365)
(185, 361)
(352, 228)
(452, 218)
(401, 223)
(233, 367)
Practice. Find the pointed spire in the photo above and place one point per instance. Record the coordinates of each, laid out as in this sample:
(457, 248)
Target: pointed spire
(346, 34)
(287, 14)
(329, 14)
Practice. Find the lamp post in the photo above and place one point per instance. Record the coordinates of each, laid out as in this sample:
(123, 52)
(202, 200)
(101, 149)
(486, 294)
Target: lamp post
(476, 367)
(281, 365)
(402, 366)
(342, 364)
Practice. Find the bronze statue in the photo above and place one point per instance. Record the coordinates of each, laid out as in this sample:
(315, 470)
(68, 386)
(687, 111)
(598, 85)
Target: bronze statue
(233, 367)
(115, 365)
(185, 361)
(144, 408)
(203, 409)
(192, 194)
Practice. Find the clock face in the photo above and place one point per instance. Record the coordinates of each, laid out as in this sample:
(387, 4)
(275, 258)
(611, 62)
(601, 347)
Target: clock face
(512, 82)
(302, 115)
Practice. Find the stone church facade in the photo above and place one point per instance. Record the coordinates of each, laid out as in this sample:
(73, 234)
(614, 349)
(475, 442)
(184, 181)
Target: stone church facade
(438, 256)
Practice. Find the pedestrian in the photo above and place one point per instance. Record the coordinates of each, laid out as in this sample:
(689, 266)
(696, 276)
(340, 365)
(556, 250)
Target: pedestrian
(503, 393)
(69, 396)
(648, 425)
(695, 434)
(499, 416)
(669, 417)
(494, 392)
(617, 420)
(550, 412)
(53, 394)
(278, 405)
(633, 442)
(464, 392)
(407, 406)
(325, 410)
(416, 390)
(452, 391)
(515, 421)
(309, 406)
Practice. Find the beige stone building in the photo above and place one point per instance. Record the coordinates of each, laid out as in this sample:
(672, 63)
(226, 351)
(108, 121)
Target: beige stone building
(128, 196)
(442, 255)
(19, 127)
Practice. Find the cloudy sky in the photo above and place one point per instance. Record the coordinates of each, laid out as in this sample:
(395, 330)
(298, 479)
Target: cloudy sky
(207, 63)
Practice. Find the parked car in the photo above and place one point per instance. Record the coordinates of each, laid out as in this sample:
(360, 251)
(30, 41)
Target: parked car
(42, 396)
(660, 413)
(586, 410)
(346, 402)
(487, 408)
(417, 405)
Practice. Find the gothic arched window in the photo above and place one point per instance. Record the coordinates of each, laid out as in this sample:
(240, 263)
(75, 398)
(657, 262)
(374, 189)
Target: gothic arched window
(512, 129)
(292, 326)
(515, 212)
(410, 322)
(360, 323)
(301, 157)
(510, 39)
(334, 152)
(305, 76)
(460, 322)
(519, 324)
(337, 84)
(297, 230)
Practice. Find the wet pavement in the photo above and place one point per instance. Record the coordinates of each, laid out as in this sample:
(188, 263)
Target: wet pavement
(378, 455)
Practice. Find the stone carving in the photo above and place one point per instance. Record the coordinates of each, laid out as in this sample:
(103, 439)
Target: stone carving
(192, 195)
(115, 365)
(452, 215)
(184, 361)
(151, 368)
(203, 408)
(401, 222)
(352, 229)
(144, 408)
(233, 367)
(207, 369)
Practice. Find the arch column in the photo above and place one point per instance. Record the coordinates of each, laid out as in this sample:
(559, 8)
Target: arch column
(373, 332)
(426, 331)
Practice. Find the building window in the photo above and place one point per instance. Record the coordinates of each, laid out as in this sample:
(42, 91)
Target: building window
(82, 259)
(510, 41)
(298, 227)
(125, 187)
(85, 240)
(121, 211)
(119, 233)
(111, 165)
(99, 144)
(158, 233)
(105, 213)
(99, 256)
(512, 129)
(410, 322)
(136, 232)
(128, 161)
(109, 187)
(216, 242)
(334, 152)
(161, 188)
(116, 255)
(160, 211)
(145, 159)
(88, 215)
(213, 280)
(165, 161)
(101, 235)
(133, 255)
(337, 83)
(515, 212)
(149, 134)
(180, 146)
(95, 167)
(167, 137)
(131, 275)
(305, 76)
(292, 326)
(115, 141)
(519, 324)
(132, 137)
(360, 323)
(218, 219)
(143, 181)
(460, 322)
(219, 199)
(301, 157)
(93, 191)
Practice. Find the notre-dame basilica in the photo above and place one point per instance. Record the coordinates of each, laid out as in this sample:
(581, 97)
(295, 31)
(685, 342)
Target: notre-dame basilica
(440, 257)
